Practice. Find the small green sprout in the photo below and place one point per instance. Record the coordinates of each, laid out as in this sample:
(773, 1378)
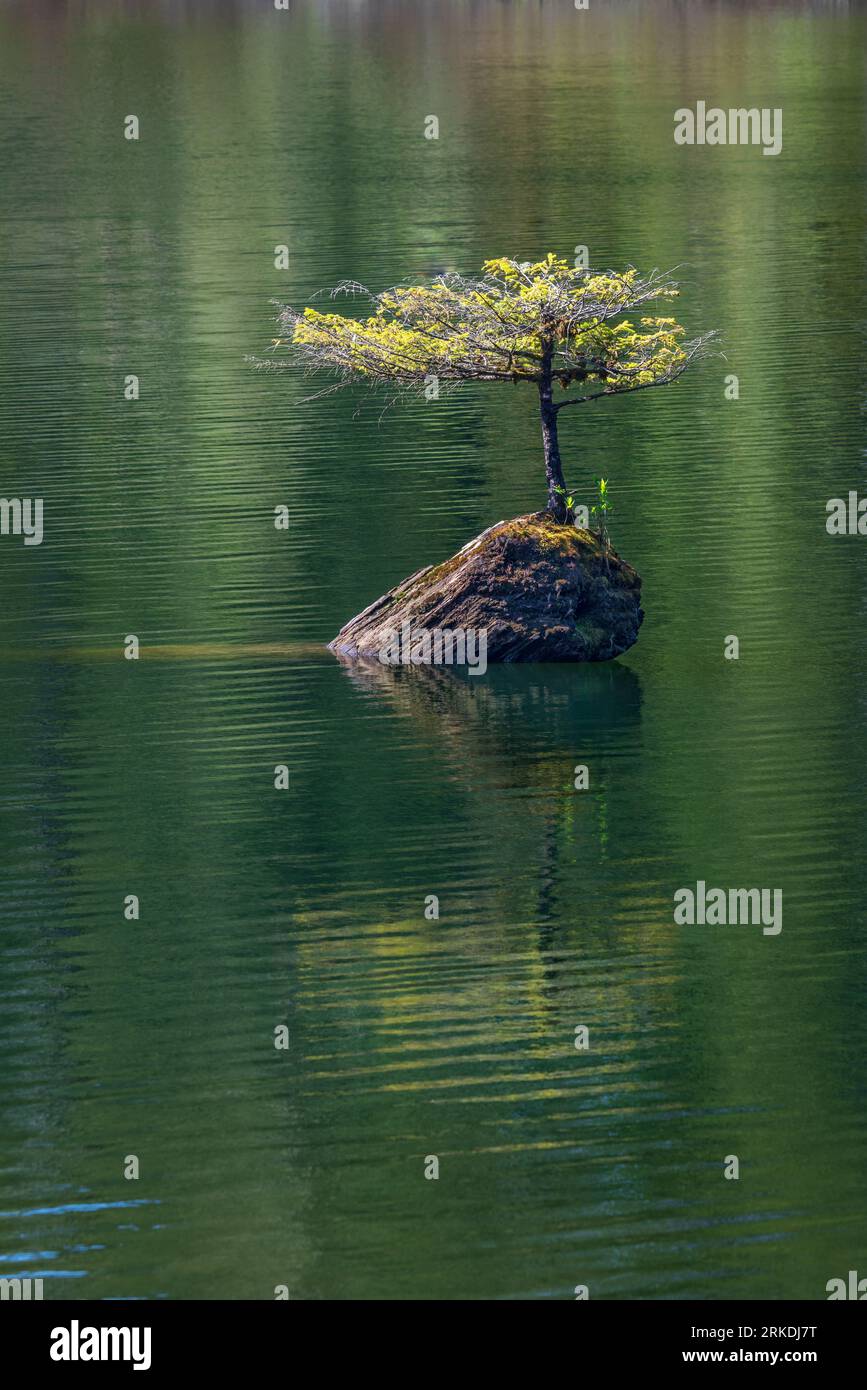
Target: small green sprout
(600, 510)
(570, 502)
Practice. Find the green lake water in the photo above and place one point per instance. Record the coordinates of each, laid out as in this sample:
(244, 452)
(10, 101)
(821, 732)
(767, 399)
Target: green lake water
(411, 1037)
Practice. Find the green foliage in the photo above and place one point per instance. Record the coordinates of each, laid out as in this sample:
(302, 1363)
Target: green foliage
(571, 501)
(600, 511)
(519, 321)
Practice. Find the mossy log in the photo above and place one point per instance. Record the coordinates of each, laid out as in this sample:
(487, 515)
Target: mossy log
(541, 590)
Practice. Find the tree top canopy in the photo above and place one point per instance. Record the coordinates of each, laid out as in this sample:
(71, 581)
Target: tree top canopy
(518, 321)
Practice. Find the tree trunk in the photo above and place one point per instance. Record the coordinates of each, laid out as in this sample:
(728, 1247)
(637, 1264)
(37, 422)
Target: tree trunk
(553, 466)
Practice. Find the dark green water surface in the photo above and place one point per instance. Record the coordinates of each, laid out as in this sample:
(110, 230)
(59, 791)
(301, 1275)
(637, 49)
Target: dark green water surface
(411, 1037)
